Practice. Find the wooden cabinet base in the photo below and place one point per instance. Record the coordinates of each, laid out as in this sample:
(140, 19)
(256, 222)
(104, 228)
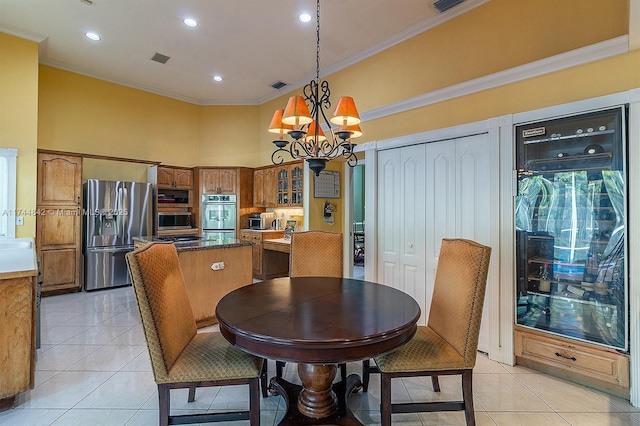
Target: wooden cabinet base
(17, 334)
(272, 266)
(582, 363)
(7, 403)
(205, 286)
(59, 271)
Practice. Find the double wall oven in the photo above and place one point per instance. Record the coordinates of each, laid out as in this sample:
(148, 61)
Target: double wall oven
(219, 217)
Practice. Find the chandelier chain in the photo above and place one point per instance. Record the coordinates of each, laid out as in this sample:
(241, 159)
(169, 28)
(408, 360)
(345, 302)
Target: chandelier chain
(318, 40)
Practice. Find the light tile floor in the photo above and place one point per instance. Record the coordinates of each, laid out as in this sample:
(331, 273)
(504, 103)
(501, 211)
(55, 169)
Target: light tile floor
(93, 369)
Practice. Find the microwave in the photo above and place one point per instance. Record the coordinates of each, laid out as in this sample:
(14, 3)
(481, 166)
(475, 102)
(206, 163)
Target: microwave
(168, 221)
(261, 220)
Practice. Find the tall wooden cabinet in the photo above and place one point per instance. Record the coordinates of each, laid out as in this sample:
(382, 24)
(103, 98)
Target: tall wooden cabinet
(59, 222)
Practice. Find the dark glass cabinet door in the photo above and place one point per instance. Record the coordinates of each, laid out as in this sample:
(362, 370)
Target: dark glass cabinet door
(570, 227)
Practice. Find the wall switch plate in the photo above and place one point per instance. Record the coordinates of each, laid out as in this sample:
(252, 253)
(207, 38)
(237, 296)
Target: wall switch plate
(217, 266)
(19, 220)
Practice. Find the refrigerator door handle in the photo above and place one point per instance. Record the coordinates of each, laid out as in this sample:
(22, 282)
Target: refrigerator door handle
(113, 250)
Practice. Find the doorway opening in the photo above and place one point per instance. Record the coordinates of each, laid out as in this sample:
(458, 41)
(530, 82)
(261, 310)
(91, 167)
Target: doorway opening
(358, 221)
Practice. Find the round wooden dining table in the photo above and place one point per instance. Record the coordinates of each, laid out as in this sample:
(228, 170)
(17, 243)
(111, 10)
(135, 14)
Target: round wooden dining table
(317, 322)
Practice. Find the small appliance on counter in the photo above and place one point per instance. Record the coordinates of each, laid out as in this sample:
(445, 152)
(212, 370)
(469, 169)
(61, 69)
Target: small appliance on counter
(262, 220)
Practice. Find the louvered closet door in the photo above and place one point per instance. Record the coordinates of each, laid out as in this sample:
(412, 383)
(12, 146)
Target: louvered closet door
(426, 193)
(401, 227)
(440, 213)
(477, 187)
(460, 185)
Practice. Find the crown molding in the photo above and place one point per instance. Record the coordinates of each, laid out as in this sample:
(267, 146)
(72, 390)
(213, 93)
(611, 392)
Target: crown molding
(22, 33)
(559, 62)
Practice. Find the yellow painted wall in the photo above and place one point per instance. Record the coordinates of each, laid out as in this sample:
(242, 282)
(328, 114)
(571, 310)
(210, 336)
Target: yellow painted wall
(85, 115)
(19, 118)
(228, 136)
(93, 168)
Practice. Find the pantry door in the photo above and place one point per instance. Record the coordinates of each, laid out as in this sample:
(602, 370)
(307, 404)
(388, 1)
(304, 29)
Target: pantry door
(401, 227)
(462, 202)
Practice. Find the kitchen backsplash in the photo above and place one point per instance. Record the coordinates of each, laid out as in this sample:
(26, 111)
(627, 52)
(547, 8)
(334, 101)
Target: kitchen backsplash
(290, 214)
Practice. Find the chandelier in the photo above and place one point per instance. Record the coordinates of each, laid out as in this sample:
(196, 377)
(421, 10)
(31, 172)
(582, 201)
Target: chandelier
(302, 119)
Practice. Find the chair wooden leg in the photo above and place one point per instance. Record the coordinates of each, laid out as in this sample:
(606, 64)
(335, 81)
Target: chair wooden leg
(279, 368)
(192, 394)
(254, 402)
(435, 383)
(366, 365)
(467, 397)
(163, 404)
(385, 397)
(343, 372)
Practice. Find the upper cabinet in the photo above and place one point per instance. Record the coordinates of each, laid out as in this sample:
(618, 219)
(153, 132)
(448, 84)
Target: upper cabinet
(264, 187)
(59, 180)
(170, 177)
(290, 184)
(218, 181)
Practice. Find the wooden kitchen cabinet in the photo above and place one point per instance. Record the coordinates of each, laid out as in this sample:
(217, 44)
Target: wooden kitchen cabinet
(59, 180)
(174, 177)
(218, 181)
(265, 187)
(59, 242)
(59, 222)
(17, 334)
(289, 185)
(261, 269)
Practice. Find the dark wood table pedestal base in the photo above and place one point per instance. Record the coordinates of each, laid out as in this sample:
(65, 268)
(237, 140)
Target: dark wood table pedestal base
(318, 402)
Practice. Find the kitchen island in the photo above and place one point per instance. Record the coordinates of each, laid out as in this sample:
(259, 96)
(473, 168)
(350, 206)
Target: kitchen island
(211, 269)
(18, 272)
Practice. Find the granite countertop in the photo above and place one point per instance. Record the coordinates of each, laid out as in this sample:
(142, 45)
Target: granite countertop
(191, 245)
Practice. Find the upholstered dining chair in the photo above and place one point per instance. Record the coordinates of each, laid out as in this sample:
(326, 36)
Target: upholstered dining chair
(449, 343)
(315, 254)
(180, 356)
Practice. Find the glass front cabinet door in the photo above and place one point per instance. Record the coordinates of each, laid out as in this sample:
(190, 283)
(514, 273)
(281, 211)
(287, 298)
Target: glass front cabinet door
(570, 218)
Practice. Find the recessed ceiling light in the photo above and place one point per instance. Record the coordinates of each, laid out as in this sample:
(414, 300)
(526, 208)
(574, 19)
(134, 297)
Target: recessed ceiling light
(217, 78)
(189, 22)
(92, 36)
(304, 17)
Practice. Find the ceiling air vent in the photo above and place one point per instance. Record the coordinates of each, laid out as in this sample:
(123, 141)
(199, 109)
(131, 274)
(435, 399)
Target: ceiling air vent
(159, 57)
(443, 5)
(278, 84)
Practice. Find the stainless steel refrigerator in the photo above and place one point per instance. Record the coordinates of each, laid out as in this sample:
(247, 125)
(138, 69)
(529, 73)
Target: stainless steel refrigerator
(114, 213)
